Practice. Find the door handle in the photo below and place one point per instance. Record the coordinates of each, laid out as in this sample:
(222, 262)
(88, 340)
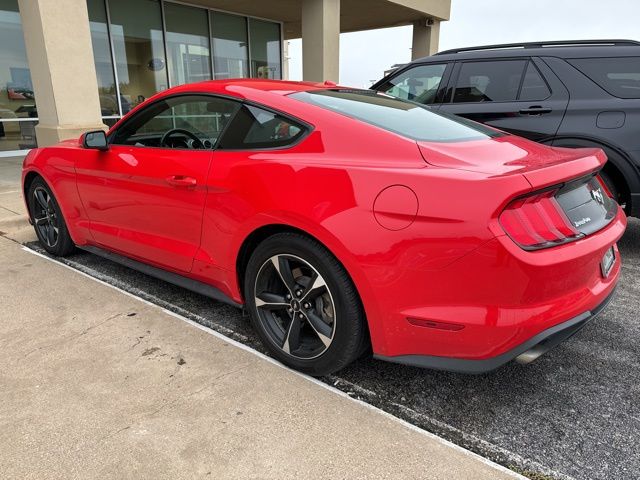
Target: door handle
(181, 181)
(535, 110)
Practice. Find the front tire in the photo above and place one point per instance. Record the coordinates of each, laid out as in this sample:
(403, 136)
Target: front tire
(47, 219)
(303, 305)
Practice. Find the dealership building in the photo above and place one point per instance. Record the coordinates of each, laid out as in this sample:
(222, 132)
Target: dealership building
(67, 66)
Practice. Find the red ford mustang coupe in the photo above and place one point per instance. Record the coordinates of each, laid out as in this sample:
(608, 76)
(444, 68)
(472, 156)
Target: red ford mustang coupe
(342, 219)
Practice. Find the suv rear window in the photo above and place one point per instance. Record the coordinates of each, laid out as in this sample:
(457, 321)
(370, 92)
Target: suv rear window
(618, 76)
(405, 118)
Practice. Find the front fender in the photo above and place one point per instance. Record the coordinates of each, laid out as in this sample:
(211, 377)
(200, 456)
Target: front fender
(58, 172)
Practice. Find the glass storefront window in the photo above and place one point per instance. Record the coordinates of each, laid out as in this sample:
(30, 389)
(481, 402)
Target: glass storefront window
(102, 58)
(230, 52)
(17, 101)
(194, 38)
(136, 30)
(265, 49)
(188, 54)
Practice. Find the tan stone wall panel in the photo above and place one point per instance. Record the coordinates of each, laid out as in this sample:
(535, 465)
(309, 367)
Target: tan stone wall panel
(58, 43)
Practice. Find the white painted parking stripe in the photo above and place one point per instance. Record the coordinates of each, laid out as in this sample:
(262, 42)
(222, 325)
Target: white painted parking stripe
(508, 454)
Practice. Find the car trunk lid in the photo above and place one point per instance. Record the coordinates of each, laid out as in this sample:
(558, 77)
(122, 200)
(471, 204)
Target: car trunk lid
(567, 200)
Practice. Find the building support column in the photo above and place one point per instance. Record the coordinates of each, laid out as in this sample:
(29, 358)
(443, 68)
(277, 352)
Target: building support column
(426, 37)
(320, 40)
(58, 43)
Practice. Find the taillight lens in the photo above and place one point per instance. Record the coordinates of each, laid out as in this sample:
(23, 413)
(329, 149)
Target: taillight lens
(537, 221)
(604, 186)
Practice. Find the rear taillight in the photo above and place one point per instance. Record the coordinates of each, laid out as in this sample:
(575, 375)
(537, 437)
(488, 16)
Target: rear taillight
(604, 186)
(537, 221)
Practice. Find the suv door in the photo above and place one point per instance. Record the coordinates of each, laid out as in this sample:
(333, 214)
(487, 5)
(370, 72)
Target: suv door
(509, 94)
(420, 83)
(145, 196)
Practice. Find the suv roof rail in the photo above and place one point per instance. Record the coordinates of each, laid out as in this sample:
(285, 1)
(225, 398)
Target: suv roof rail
(554, 43)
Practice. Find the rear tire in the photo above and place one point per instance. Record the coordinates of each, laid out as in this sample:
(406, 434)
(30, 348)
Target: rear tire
(47, 219)
(303, 305)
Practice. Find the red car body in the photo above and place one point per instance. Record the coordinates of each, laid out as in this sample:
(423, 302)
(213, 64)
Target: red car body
(415, 224)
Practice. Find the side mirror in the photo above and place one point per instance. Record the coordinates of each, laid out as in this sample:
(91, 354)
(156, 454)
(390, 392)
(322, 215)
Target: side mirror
(96, 140)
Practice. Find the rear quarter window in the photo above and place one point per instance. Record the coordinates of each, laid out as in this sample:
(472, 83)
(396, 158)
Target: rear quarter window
(618, 76)
(255, 128)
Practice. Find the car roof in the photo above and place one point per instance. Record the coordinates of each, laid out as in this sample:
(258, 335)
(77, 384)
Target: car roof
(239, 87)
(562, 49)
(271, 93)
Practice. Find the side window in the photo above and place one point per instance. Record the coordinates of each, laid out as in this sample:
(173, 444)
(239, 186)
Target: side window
(534, 87)
(618, 76)
(419, 84)
(188, 121)
(489, 81)
(255, 127)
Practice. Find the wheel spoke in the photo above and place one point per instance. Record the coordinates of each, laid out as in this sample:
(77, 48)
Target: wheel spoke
(320, 327)
(40, 198)
(41, 221)
(292, 339)
(285, 312)
(316, 287)
(271, 301)
(281, 264)
(51, 236)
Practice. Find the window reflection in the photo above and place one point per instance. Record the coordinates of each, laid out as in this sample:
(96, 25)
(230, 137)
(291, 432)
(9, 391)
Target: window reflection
(136, 29)
(17, 101)
(102, 58)
(187, 44)
(195, 37)
(265, 49)
(230, 52)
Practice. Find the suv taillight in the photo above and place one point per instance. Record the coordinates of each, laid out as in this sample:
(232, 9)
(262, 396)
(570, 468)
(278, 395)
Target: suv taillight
(537, 221)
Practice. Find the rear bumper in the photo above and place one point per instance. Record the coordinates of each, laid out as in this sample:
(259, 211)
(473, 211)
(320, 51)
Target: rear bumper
(526, 352)
(495, 298)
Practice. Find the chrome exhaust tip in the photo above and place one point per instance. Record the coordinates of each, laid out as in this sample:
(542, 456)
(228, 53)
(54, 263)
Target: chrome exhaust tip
(531, 355)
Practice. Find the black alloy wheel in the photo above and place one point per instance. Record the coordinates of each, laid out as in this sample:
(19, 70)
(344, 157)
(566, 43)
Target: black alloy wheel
(304, 305)
(295, 306)
(47, 219)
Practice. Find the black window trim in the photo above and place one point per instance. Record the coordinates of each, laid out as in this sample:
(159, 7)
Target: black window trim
(456, 74)
(306, 126)
(531, 62)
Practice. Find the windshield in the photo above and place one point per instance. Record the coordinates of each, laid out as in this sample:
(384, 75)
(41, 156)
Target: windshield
(399, 116)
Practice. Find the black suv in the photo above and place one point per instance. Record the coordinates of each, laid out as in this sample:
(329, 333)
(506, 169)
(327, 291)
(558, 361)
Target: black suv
(569, 94)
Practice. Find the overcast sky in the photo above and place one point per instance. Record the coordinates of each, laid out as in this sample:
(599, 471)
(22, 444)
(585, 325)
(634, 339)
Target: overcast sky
(364, 56)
